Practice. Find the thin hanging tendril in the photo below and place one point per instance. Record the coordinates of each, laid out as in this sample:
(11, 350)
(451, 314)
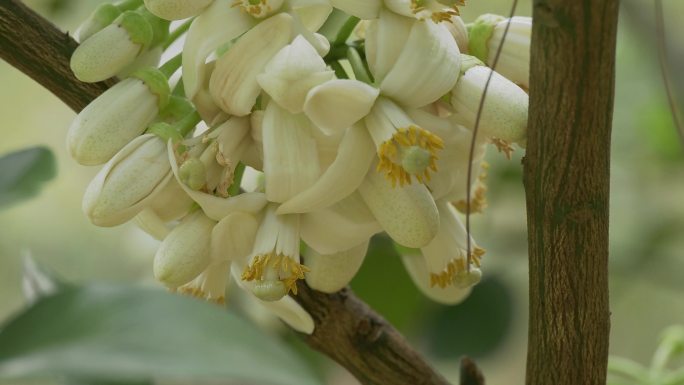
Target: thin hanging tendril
(664, 70)
(471, 155)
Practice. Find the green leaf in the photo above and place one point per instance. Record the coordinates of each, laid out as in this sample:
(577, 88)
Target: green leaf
(24, 172)
(124, 334)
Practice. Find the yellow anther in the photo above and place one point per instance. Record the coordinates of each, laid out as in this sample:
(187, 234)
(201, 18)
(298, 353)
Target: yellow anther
(288, 270)
(504, 147)
(256, 8)
(440, 11)
(456, 267)
(196, 292)
(410, 152)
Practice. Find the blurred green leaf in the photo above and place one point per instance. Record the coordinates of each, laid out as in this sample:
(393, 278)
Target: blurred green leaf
(125, 334)
(475, 327)
(23, 172)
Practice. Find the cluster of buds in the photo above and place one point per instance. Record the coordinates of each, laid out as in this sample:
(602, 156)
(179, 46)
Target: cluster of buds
(298, 129)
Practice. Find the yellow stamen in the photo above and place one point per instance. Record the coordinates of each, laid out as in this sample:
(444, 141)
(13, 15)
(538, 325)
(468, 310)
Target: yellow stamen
(504, 147)
(198, 293)
(289, 271)
(478, 202)
(259, 8)
(456, 267)
(444, 15)
(392, 152)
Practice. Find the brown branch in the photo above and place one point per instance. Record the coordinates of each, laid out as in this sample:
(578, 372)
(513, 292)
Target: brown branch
(470, 373)
(33, 45)
(351, 333)
(347, 329)
(567, 178)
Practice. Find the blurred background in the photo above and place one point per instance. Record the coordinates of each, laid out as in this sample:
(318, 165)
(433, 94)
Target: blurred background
(647, 226)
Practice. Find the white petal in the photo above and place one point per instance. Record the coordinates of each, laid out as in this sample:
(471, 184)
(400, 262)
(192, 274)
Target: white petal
(363, 9)
(336, 228)
(233, 83)
(218, 24)
(292, 73)
(356, 152)
(312, 13)
(149, 222)
(427, 68)
(215, 207)
(290, 154)
(504, 115)
(176, 9)
(337, 104)
(450, 295)
(332, 272)
(385, 40)
(514, 62)
(233, 236)
(286, 308)
(408, 214)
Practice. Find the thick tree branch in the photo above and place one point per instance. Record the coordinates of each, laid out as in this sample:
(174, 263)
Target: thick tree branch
(347, 329)
(567, 178)
(37, 48)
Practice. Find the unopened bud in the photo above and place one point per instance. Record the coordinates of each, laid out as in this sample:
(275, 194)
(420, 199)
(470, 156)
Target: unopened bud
(104, 15)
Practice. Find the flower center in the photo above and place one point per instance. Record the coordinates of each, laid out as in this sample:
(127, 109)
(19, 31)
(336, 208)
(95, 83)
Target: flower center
(411, 152)
(259, 8)
(438, 10)
(275, 275)
(456, 272)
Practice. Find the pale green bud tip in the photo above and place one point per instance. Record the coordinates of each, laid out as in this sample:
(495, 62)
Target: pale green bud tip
(156, 81)
(479, 33)
(193, 173)
(138, 27)
(415, 160)
(468, 62)
(269, 290)
(104, 15)
(160, 27)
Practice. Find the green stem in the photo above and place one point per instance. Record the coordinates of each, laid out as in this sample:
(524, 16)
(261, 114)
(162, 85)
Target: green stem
(178, 32)
(346, 30)
(171, 66)
(128, 5)
(627, 368)
(339, 70)
(359, 66)
(179, 89)
(239, 172)
(188, 123)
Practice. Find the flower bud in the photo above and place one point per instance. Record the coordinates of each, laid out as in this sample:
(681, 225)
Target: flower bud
(127, 182)
(486, 36)
(504, 114)
(104, 15)
(110, 50)
(176, 9)
(330, 273)
(116, 117)
(185, 252)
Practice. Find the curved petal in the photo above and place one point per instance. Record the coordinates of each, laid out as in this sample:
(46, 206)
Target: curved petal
(312, 13)
(343, 177)
(417, 269)
(332, 272)
(233, 236)
(290, 154)
(218, 24)
(385, 40)
(233, 83)
(337, 104)
(427, 69)
(338, 227)
(363, 9)
(215, 207)
(408, 214)
(149, 222)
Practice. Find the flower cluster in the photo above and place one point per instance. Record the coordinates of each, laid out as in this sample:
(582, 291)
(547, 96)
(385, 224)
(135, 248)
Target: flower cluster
(297, 130)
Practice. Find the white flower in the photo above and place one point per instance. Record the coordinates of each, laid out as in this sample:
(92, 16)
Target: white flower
(436, 10)
(504, 114)
(128, 182)
(176, 9)
(414, 62)
(363, 9)
(446, 255)
(108, 51)
(458, 31)
(292, 73)
(416, 267)
(332, 272)
(486, 36)
(116, 117)
(185, 252)
(408, 213)
(274, 267)
(222, 22)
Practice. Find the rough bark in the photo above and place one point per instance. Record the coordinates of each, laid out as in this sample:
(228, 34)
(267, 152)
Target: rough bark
(33, 45)
(351, 333)
(566, 176)
(347, 329)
